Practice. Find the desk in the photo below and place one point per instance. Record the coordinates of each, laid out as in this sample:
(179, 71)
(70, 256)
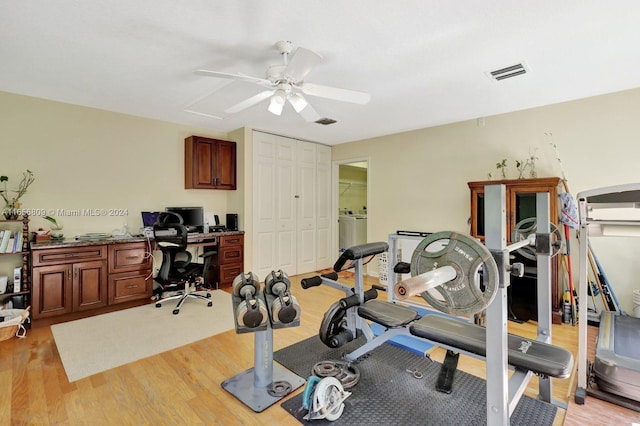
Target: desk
(229, 262)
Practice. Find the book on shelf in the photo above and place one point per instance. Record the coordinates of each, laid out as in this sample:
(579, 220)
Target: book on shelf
(19, 239)
(17, 278)
(10, 244)
(5, 241)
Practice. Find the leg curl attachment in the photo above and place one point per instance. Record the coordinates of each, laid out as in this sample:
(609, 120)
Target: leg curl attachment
(334, 331)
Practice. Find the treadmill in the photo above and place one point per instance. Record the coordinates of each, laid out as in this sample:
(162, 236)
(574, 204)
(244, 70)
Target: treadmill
(617, 362)
(616, 368)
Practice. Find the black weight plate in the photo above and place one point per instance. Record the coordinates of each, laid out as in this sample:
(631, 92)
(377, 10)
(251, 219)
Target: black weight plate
(462, 296)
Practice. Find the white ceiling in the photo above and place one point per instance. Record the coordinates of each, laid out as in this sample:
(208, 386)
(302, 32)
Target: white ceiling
(424, 62)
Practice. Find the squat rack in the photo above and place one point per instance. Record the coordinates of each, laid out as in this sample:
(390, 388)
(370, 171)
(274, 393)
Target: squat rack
(504, 392)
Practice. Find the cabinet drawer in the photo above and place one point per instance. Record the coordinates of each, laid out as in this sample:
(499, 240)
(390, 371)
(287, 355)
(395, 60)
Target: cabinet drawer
(128, 257)
(130, 286)
(68, 255)
(229, 240)
(231, 254)
(228, 273)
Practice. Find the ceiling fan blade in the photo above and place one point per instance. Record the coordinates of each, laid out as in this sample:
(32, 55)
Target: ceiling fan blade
(249, 102)
(335, 93)
(204, 114)
(239, 77)
(301, 63)
(309, 114)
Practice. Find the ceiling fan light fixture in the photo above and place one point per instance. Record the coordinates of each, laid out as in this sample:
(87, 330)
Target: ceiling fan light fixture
(277, 102)
(298, 102)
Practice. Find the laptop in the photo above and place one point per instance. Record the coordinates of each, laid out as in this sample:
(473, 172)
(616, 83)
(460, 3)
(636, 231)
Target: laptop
(148, 219)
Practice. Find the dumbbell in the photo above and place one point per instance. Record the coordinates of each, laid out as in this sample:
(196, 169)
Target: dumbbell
(285, 307)
(251, 312)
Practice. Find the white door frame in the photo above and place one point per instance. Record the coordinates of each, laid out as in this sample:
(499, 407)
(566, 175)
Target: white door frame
(335, 183)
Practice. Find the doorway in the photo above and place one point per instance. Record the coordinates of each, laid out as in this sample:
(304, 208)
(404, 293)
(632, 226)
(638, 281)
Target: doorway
(352, 196)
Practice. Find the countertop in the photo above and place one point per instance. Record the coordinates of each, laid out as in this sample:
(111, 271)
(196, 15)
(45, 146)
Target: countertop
(194, 237)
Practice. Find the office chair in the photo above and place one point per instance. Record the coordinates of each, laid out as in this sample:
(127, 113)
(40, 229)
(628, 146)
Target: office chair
(177, 271)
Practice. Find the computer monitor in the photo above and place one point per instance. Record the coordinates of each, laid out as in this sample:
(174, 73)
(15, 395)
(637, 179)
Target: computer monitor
(192, 217)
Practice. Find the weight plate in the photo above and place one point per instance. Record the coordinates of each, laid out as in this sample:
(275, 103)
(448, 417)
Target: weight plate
(242, 280)
(346, 373)
(273, 279)
(279, 388)
(529, 226)
(287, 313)
(462, 295)
(251, 313)
(332, 323)
(326, 369)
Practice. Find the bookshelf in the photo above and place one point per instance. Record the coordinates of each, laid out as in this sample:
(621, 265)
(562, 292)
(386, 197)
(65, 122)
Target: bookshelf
(15, 256)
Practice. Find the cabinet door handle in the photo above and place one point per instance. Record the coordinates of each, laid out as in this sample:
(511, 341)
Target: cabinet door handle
(68, 275)
(132, 257)
(132, 286)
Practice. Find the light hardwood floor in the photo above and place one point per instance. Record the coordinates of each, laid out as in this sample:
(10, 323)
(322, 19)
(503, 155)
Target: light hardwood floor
(182, 386)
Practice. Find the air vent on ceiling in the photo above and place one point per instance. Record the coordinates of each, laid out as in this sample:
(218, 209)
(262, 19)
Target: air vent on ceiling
(325, 121)
(508, 72)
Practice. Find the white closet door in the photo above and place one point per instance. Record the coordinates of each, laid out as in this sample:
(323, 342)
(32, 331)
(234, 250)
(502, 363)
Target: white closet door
(264, 204)
(306, 203)
(286, 205)
(324, 255)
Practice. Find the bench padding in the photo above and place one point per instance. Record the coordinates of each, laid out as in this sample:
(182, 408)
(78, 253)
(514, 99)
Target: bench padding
(387, 314)
(369, 250)
(539, 357)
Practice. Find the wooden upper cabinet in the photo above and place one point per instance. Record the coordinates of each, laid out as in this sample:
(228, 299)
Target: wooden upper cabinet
(209, 163)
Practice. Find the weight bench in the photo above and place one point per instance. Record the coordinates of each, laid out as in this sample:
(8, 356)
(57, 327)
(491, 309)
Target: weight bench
(525, 354)
(453, 334)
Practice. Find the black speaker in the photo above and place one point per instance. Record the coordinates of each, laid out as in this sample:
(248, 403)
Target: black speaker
(232, 221)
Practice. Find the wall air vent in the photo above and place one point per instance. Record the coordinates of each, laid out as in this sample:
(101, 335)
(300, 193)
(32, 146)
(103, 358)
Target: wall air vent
(508, 72)
(325, 121)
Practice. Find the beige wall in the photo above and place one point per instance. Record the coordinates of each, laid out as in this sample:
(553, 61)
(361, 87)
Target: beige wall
(85, 158)
(418, 180)
(88, 158)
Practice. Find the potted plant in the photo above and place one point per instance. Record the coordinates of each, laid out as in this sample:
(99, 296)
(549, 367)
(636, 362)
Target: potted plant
(11, 204)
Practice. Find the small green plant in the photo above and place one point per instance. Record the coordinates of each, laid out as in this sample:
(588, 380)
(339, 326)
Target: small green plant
(53, 221)
(502, 167)
(11, 201)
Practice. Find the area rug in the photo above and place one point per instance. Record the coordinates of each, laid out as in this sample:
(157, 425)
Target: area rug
(388, 394)
(91, 345)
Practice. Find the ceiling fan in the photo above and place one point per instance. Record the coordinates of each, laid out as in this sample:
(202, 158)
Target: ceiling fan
(285, 83)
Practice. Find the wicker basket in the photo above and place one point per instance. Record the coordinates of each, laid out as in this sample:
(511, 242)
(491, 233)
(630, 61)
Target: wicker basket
(12, 324)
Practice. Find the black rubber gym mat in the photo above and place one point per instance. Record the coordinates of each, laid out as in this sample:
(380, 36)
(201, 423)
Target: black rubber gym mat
(388, 394)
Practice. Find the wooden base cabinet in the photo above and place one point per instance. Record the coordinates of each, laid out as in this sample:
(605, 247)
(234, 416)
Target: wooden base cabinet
(130, 275)
(84, 278)
(68, 280)
(230, 259)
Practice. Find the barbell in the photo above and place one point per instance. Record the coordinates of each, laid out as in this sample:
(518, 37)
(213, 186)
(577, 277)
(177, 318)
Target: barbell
(527, 228)
(452, 270)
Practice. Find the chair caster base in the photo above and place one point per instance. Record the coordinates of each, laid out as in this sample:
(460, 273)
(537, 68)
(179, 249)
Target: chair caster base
(158, 305)
(210, 304)
(176, 311)
(209, 295)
